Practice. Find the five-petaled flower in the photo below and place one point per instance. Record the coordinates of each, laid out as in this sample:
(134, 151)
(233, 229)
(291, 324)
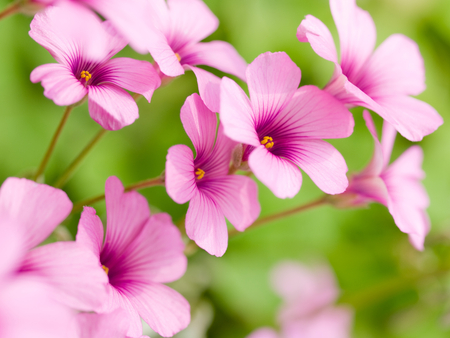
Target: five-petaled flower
(382, 80)
(396, 186)
(283, 125)
(139, 253)
(83, 45)
(204, 181)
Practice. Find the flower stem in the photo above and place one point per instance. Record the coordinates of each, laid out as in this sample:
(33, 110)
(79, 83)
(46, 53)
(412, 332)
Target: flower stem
(140, 185)
(50, 149)
(10, 10)
(319, 202)
(74, 165)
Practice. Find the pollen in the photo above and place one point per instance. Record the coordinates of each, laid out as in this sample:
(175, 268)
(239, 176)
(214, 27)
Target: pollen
(200, 173)
(86, 75)
(106, 269)
(178, 57)
(267, 141)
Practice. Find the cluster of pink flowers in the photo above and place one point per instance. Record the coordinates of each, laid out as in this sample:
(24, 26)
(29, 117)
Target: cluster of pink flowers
(102, 284)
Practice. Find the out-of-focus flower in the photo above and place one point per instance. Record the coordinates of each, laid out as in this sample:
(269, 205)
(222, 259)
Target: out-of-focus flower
(83, 45)
(181, 25)
(107, 325)
(283, 125)
(35, 210)
(204, 181)
(382, 80)
(308, 309)
(139, 253)
(397, 186)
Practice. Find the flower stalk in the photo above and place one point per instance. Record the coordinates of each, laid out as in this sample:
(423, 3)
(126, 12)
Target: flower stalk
(76, 163)
(10, 10)
(52, 145)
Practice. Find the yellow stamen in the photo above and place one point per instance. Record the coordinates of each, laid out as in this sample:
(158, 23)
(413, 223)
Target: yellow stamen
(86, 75)
(200, 173)
(267, 141)
(106, 269)
(178, 57)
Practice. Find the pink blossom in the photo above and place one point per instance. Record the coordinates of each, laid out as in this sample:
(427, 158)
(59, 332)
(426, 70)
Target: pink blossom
(106, 325)
(283, 125)
(139, 253)
(204, 181)
(308, 309)
(35, 210)
(396, 186)
(382, 80)
(178, 26)
(83, 48)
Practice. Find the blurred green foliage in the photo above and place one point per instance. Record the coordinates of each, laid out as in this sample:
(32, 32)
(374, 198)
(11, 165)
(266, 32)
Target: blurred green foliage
(364, 247)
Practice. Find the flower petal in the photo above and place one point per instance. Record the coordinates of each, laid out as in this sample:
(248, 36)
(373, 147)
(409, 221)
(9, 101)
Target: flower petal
(272, 81)
(157, 255)
(191, 22)
(164, 309)
(264, 332)
(377, 164)
(237, 197)
(205, 224)
(11, 248)
(90, 231)
(180, 177)
(322, 162)
(407, 196)
(35, 209)
(313, 114)
(236, 113)
(387, 141)
(282, 177)
(59, 84)
(58, 29)
(133, 75)
(112, 107)
(200, 124)
(208, 88)
(412, 118)
(314, 31)
(217, 54)
(127, 214)
(357, 35)
(396, 68)
(109, 325)
(72, 270)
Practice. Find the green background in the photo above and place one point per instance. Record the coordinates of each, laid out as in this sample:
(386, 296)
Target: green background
(395, 290)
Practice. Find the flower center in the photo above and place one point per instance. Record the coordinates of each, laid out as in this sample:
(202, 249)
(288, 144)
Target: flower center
(86, 75)
(267, 141)
(106, 269)
(178, 57)
(199, 173)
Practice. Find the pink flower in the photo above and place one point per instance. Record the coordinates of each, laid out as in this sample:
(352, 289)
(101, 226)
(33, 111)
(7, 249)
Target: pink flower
(139, 253)
(27, 308)
(308, 309)
(204, 181)
(396, 186)
(83, 48)
(283, 125)
(382, 80)
(34, 210)
(178, 26)
(107, 325)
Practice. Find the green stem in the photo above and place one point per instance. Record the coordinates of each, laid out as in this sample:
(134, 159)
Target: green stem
(140, 185)
(321, 201)
(385, 289)
(10, 10)
(50, 149)
(74, 165)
